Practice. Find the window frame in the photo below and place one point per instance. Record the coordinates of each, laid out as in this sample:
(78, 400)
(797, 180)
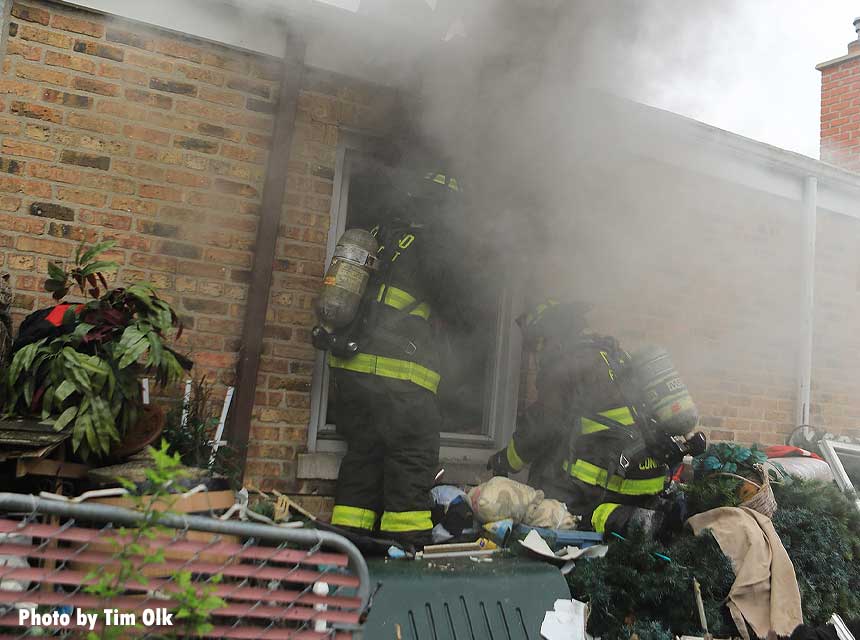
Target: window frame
(500, 404)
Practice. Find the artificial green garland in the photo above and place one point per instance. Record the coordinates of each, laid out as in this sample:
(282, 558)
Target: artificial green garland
(633, 591)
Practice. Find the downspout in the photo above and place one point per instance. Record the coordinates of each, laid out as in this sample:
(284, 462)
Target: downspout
(807, 308)
(274, 189)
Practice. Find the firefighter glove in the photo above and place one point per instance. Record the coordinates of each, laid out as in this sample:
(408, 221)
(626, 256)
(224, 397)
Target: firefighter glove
(498, 463)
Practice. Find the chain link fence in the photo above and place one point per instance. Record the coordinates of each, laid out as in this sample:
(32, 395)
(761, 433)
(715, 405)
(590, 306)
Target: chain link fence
(213, 578)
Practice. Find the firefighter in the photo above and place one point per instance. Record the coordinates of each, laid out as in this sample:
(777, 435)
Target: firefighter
(386, 403)
(574, 433)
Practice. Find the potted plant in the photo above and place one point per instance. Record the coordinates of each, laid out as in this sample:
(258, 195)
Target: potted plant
(85, 374)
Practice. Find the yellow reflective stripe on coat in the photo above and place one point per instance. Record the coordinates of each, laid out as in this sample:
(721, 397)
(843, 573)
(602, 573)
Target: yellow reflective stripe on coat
(621, 414)
(601, 514)
(344, 516)
(400, 521)
(516, 463)
(400, 299)
(388, 368)
(594, 475)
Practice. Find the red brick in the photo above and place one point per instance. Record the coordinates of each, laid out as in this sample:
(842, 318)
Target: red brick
(66, 99)
(11, 184)
(132, 76)
(9, 125)
(186, 178)
(209, 269)
(211, 201)
(175, 49)
(39, 73)
(21, 224)
(133, 205)
(243, 154)
(148, 98)
(154, 262)
(159, 192)
(26, 51)
(95, 86)
(224, 62)
(9, 203)
(54, 174)
(235, 188)
(76, 63)
(202, 111)
(107, 182)
(104, 219)
(28, 149)
(152, 136)
(228, 98)
(9, 165)
(77, 25)
(20, 89)
(139, 170)
(201, 74)
(130, 38)
(148, 62)
(80, 196)
(155, 154)
(50, 38)
(41, 245)
(30, 14)
(99, 50)
(92, 123)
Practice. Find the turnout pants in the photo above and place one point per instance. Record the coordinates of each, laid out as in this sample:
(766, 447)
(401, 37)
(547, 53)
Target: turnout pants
(606, 511)
(392, 432)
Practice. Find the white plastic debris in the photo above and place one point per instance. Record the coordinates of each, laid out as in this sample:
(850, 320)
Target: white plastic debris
(566, 621)
(537, 545)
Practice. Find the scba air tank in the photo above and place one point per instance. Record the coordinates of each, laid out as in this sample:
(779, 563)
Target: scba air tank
(664, 395)
(345, 281)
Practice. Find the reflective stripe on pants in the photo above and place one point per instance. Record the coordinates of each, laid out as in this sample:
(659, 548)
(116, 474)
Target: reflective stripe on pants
(601, 514)
(403, 521)
(345, 516)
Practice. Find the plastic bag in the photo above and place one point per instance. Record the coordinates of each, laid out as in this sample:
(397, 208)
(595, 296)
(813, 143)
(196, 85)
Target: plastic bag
(500, 498)
(550, 514)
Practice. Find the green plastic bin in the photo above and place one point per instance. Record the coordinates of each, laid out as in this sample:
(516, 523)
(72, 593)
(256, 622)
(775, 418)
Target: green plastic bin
(461, 599)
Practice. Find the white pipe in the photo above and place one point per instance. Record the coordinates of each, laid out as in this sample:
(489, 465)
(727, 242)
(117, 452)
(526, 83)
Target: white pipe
(807, 308)
(186, 402)
(216, 443)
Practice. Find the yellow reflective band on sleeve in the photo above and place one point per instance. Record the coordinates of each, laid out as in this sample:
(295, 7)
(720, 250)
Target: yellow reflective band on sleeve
(594, 475)
(400, 299)
(601, 514)
(401, 521)
(343, 516)
(388, 368)
(621, 414)
(516, 463)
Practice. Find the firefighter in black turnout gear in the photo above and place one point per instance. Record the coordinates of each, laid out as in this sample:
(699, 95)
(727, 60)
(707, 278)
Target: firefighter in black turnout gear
(386, 392)
(575, 433)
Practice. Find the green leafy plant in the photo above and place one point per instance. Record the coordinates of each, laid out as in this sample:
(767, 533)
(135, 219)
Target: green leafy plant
(87, 377)
(133, 552)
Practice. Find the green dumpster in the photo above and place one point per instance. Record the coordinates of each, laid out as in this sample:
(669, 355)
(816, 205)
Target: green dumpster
(462, 599)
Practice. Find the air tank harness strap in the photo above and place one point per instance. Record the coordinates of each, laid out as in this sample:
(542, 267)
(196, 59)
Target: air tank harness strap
(407, 306)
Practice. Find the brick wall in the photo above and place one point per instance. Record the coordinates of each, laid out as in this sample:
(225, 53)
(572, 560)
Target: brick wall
(113, 130)
(840, 110)
(705, 268)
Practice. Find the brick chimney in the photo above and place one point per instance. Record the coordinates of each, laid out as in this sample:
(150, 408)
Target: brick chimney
(840, 107)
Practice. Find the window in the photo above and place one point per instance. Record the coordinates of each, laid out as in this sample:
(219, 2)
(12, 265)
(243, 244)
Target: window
(480, 370)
